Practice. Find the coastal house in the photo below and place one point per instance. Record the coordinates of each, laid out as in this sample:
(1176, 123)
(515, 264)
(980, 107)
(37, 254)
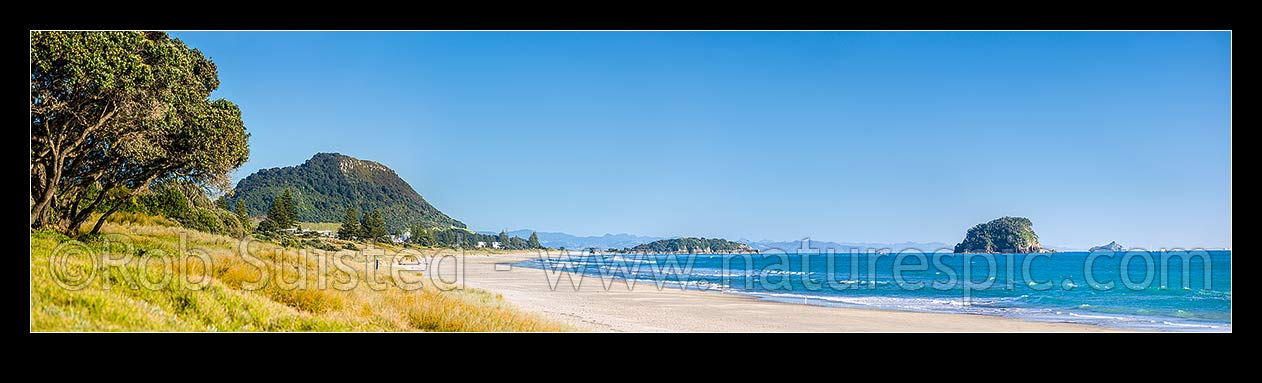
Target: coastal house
(480, 244)
(401, 238)
(495, 245)
(324, 233)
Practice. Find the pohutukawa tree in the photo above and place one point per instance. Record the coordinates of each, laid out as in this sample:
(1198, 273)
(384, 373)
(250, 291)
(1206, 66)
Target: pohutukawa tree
(112, 112)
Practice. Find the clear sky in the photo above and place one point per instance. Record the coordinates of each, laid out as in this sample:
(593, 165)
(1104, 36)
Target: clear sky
(842, 136)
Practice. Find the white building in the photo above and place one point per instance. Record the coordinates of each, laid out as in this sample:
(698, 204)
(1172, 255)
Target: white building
(401, 238)
(495, 245)
(481, 244)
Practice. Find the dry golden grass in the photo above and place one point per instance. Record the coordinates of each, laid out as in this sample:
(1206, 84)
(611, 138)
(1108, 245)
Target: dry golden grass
(165, 286)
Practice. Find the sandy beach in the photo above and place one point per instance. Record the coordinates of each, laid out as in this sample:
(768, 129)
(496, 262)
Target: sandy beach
(647, 309)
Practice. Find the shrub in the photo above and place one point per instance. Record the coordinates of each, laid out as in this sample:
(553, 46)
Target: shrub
(181, 202)
(231, 224)
(287, 240)
(319, 245)
(265, 226)
(203, 219)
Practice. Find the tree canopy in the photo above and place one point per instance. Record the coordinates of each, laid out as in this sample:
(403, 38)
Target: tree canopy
(281, 215)
(244, 217)
(350, 225)
(690, 245)
(374, 226)
(464, 238)
(113, 112)
(533, 243)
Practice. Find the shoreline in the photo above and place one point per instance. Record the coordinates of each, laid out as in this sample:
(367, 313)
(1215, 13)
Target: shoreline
(612, 307)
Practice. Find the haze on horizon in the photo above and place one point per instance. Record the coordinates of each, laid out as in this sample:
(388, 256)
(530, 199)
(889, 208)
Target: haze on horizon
(838, 136)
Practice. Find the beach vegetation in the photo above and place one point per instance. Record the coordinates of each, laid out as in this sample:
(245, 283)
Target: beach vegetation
(165, 286)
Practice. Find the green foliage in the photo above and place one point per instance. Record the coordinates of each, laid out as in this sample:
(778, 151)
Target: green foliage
(265, 226)
(281, 213)
(204, 220)
(287, 241)
(533, 243)
(289, 209)
(243, 216)
(322, 245)
(350, 225)
(1002, 235)
(111, 112)
(424, 237)
(374, 226)
(464, 238)
(231, 223)
(184, 203)
(329, 183)
(165, 200)
(690, 245)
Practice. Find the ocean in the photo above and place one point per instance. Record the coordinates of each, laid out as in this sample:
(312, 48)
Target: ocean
(1167, 290)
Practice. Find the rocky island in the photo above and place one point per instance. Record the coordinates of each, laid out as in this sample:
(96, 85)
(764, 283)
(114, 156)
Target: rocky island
(1111, 247)
(1003, 235)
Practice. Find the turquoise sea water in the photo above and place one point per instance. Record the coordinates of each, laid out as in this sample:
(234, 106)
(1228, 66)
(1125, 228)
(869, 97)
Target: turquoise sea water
(1169, 291)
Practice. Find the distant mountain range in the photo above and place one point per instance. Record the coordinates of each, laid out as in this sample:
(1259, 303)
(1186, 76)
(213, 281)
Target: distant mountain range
(570, 241)
(621, 241)
(841, 247)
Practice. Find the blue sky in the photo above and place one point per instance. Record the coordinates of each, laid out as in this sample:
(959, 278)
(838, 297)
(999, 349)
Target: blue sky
(843, 136)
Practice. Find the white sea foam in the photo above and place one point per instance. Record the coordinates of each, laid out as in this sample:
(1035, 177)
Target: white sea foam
(1169, 323)
(1097, 316)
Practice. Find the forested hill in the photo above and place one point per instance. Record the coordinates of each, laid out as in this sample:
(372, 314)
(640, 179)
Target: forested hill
(328, 183)
(692, 245)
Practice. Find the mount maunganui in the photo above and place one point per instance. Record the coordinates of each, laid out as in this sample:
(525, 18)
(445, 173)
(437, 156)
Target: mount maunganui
(328, 183)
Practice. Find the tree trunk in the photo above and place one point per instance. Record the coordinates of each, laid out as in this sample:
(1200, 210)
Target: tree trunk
(40, 216)
(77, 218)
(101, 221)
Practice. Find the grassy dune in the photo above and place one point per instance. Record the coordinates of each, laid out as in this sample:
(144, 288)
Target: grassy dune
(153, 285)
